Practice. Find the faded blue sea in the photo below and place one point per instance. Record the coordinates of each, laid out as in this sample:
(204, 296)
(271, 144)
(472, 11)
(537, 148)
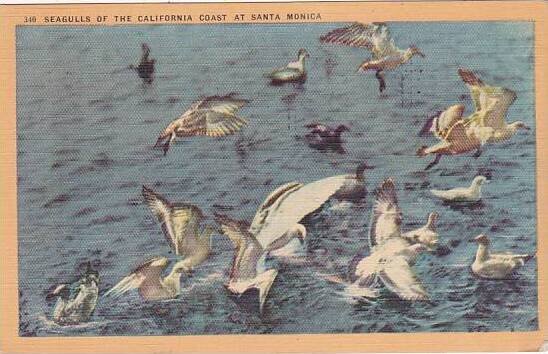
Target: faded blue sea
(86, 126)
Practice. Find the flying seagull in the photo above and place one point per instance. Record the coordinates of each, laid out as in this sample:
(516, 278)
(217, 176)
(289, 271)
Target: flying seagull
(214, 116)
(145, 69)
(377, 39)
(180, 224)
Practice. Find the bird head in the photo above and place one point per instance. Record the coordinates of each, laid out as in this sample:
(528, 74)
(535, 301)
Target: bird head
(342, 128)
(432, 219)
(62, 291)
(479, 180)
(303, 54)
(91, 275)
(416, 51)
(145, 48)
(422, 151)
(482, 239)
(520, 125)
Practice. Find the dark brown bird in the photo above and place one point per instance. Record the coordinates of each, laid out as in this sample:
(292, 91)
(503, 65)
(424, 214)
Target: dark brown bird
(322, 137)
(145, 69)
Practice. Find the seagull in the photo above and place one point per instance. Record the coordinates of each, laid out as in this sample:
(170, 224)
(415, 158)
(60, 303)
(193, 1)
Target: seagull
(454, 134)
(147, 279)
(323, 137)
(392, 255)
(491, 108)
(145, 69)
(76, 305)
(426, 235)
(295, 71)
(467, 194)
(180, 224)
(495, 265)
(214, 116)
(248, 269)
(277, 219)
(376, 38)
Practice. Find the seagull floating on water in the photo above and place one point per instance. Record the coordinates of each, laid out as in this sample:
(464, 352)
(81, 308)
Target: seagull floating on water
(392, 254)
(214, 116)
(376, 38)
(295, 71)
(427, 234)
(76, 305)
(495, 265)
(323, 137)
(467, 194)
(147, 279)
(180, 224)
(145, 69)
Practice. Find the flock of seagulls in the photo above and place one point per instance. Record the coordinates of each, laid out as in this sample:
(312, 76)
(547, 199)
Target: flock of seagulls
(387, 260)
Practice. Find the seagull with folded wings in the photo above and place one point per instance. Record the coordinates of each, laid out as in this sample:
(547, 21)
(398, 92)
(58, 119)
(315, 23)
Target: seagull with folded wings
(377, 39)
(213, 116)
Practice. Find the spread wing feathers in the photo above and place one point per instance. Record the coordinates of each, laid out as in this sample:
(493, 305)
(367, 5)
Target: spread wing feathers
(272, 202)
(149, 271)
(173, 218)
(221, 124)
(458, 137)
(248, 251)
(221, 104)
(386, 217)
(293, 205)
(399, 278)
(375, 37)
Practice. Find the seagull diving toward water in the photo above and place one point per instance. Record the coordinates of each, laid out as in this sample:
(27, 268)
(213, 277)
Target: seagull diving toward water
(180, 224)
(248, 270)
(495, 265)
(76, 305)
(147, 279)
(376, 38)
(214, 116)
(466, 194)
(295, 71)
(145, 69)
(392, 255)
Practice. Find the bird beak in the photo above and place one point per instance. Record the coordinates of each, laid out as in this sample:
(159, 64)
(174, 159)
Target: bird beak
(526, 127)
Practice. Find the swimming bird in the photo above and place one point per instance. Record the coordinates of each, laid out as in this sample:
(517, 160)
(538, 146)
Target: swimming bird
(455, 135)
(491, 108)
(466, 194)
(147, 279)
(295, 71)
(214, 116)
(180, 224)
(145, 69)
(76, 305)
(495, 265)
(392, 254)
(376, 38)
(323, 137)
(427, 234)
(248, 269)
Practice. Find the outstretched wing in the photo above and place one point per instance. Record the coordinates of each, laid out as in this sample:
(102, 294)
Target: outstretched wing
(386, 217)
(247, 250)
(149, 272)
(399, 278)
(375, 37)
(175, 219)
(221, 104)
(288, 205)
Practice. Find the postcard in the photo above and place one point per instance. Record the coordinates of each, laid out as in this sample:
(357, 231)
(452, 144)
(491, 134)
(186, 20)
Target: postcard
(274, 177)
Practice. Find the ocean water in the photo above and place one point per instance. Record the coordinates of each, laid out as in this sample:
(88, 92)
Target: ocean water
(86, 125)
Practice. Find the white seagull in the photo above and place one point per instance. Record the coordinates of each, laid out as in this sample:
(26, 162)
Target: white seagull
(376, 38)
(295, 71)
(467, 194)
(391, 254)
(180, 224)
(148, 280)
(495, 265)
